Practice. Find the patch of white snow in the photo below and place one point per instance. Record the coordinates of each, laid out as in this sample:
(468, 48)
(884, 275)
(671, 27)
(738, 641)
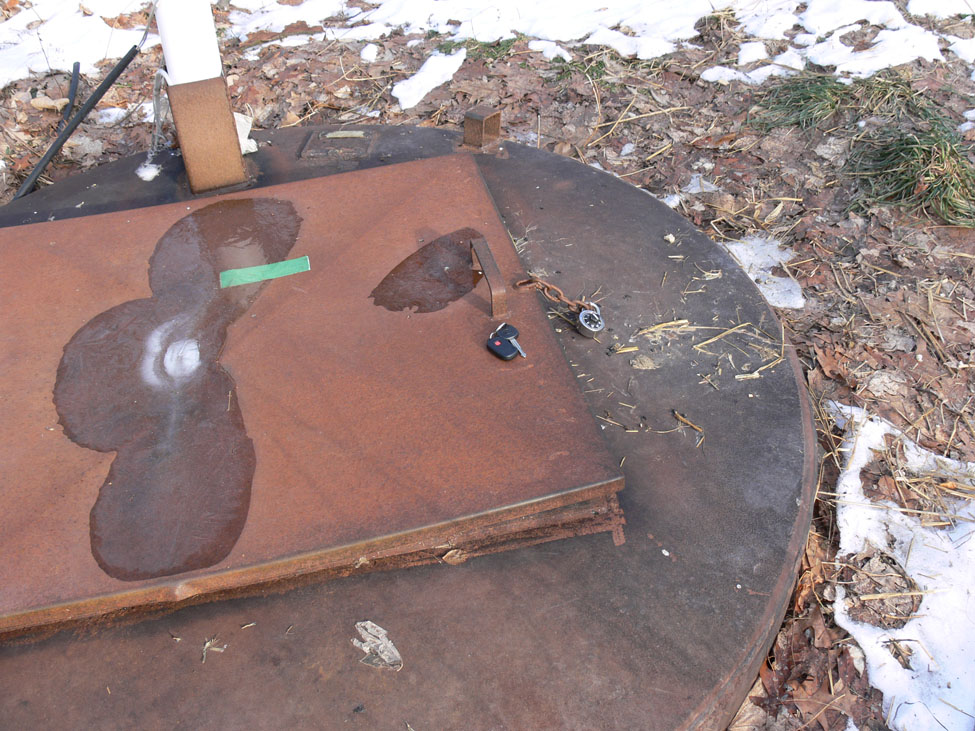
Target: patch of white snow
(752, 51)
(181, 359)
(148, 171)
(724, 75)
(51, 35)
(144, 113)
(825, 16)
(940, 8)
(941, 562)
(550, 50)
(767, 18)
(890, 48)
(758, 255)
(638, 46)
(964, 48)
(243, 124)
(110, 115)
(436, 70)
(698, 184)
(273, 17)
(369, 52)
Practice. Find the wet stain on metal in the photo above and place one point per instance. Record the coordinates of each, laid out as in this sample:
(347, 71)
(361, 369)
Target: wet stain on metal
(143, 379)
(432, 277)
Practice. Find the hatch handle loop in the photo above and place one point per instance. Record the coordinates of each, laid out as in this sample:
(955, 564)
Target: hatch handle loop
(483, 259)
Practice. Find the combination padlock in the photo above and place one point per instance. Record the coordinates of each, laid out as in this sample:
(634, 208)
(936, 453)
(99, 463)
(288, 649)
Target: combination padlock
(590, 322)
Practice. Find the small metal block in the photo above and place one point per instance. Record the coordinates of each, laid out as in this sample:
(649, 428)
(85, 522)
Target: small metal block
(482, 126)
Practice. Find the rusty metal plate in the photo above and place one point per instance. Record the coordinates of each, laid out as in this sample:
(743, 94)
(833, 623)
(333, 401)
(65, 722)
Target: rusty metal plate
(202, 440)
(572, 634)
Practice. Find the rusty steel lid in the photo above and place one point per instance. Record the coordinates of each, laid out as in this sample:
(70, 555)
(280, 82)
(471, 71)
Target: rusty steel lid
(708, 419)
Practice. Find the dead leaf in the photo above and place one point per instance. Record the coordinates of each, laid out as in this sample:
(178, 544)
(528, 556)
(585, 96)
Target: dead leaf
(45, 103)
(831, 365)
(22, 163)
(455, 557)
(563, 148)
(892, 595)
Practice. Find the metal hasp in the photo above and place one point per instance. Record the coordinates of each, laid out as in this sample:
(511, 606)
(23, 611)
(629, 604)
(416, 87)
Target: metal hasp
(482, 127)
(667, 631)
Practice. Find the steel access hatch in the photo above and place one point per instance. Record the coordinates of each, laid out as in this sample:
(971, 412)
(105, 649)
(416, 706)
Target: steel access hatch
(169, 440)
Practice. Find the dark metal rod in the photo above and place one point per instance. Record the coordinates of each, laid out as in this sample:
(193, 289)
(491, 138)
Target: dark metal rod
(72, 95)
(28, 185)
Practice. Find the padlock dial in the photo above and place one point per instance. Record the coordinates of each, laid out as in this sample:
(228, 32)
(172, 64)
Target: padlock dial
(590, 323)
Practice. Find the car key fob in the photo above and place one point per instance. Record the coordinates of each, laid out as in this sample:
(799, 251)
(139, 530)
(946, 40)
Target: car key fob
(503, 342)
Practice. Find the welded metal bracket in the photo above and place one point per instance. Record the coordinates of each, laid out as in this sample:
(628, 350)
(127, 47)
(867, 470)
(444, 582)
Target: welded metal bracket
(207, 135)
(482, 128)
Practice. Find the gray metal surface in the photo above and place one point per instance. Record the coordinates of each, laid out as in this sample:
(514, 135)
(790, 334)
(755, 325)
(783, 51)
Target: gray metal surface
(665, 631)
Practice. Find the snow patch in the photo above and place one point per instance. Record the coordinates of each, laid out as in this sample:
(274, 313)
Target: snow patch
(724, 75)
(436, 70)
(757, 255)
(273, 17)
(181, 359)
(51, 35)
(369, 52)
(638, 46)
(767, 19)
(785, 64)
(891, 48)
(243, 124)
(699, 185)
(144, 113)
(148, 171)
(962, 47)
(942, 562)
(110, 115)
(752, 51)
(825, 16)
(644, 29)
(550, 50)
(940, 8)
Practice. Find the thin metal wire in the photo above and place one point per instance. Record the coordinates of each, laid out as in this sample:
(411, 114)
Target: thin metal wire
(157, 142)
(152, 14)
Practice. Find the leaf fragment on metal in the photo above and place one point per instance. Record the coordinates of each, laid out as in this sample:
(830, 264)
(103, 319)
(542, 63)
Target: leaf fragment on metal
(380, 650)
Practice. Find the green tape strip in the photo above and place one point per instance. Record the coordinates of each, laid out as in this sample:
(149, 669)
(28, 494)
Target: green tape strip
(249, 275)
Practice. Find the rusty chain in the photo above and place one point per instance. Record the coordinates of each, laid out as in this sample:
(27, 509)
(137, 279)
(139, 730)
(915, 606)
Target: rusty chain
(553, 294)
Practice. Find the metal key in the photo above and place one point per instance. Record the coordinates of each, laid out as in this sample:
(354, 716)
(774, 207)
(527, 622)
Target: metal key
(590, 321)
(509, 333)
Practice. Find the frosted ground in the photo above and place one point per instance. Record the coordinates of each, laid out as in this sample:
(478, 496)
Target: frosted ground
(940, 692)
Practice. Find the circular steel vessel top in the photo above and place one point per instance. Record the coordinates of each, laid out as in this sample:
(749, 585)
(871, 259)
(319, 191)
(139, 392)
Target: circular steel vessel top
(665, 631)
